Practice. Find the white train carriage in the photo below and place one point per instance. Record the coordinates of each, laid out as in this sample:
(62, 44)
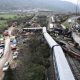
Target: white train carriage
(62, 68)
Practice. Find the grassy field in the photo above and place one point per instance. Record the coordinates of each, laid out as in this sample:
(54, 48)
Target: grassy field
(4, 18)
(7, 16)
(3, 24)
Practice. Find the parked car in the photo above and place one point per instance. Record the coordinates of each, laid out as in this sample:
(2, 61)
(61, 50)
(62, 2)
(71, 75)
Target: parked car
(2, 38)
(2, 45)
(6, 33)
(6, 66)
(13, 47)
(13, 42)
(15, 55)
(1, 51)
(12, 38)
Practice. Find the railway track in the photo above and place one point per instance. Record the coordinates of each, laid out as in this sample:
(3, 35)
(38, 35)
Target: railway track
(74, 62)
(73, 50)
(75, 66)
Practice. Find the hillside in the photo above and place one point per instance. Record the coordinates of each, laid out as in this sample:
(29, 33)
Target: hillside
(42, 4)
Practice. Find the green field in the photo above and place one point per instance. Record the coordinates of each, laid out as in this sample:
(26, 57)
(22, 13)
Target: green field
(11, 15)
(4, 18)
(7, 16)
(3, 24)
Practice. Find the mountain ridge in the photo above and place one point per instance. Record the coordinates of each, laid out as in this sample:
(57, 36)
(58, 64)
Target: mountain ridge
(42, 4)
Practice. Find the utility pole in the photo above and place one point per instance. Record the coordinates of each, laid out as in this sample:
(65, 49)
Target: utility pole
(77, 7)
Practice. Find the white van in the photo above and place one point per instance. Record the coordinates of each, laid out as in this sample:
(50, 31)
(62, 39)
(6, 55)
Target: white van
(15, 55)
(6, 66)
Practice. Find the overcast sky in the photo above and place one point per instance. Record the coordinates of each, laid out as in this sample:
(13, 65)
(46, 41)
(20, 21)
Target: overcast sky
(73, 1)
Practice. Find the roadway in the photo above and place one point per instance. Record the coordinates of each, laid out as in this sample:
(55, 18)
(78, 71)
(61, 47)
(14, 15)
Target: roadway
(7, 56)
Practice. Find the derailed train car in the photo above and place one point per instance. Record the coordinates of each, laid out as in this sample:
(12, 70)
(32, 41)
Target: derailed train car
(62, 69)
(35, 29)
(76, 39)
